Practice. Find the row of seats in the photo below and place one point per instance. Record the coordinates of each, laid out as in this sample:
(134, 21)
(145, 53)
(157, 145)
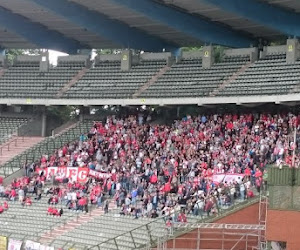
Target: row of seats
(24, 80)
(270, 76)
(106, 80)
(188, 79)
(9, 126)
(30, 222)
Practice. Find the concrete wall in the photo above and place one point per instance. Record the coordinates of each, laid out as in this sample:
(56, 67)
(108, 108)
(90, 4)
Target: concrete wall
(44, 62)
(280, 49)
(27, 58)
(155, 56)
(73, 58)
(284, 226)
(208, 57)
(238, 52)
(126, 60)
(32, 128)
(248, 215)
(108, 58)
(191, 54)
(292, 51)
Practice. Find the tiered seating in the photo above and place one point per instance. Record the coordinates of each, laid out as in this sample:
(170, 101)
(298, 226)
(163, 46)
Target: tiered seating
(106, 80)
(31, 222)
(47, 146)
(269, 76)
(103, 228)
(188, 79)
(9, 126)
(24, 80)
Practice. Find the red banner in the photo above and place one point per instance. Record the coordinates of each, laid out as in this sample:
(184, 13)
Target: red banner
(75, 174)
(229, 178)
(99, 175)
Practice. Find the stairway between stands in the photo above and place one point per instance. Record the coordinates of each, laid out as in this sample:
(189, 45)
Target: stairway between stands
(15, 146)
(72, 82)
(76, 222)
(230, 80)
(150, 82)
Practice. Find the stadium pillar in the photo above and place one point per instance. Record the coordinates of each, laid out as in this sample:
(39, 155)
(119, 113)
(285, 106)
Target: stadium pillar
(292, 51)
(44, 62)
(177, 54)
(254, 55)
(178, 112)
(126, 60)
(207, 57)
(44, 121)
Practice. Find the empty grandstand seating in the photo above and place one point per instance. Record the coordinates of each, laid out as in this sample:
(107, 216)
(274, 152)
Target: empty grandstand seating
(29, 222)
(9, 126)
(188, 79)
(103, 228)
(268, 76)
(106, 80)
(24, 80)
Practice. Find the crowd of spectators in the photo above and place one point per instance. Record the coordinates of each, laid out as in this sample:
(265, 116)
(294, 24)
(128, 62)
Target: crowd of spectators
(165, 170)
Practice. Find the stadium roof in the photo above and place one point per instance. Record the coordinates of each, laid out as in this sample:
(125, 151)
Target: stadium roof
(150, 25)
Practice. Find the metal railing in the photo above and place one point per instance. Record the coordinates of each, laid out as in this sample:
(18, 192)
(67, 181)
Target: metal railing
(11, 141)
(170, 233)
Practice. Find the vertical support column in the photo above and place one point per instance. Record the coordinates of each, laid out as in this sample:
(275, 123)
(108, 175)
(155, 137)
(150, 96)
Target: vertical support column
(254, 55)
(208, 57)
(178, 111)
(126, 60)
(44, 121)
(44, 62)
(292, 52)
(263, 53)
(177, 54)
(171, 60)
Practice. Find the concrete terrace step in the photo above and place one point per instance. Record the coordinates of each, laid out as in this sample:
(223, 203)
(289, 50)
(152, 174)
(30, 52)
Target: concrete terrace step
(16, 146)
(71, 225)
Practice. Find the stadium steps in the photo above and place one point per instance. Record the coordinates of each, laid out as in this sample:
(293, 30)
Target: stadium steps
(231, 79)
(48, 237)
(16, 146)
(151, 81)
(72, 82)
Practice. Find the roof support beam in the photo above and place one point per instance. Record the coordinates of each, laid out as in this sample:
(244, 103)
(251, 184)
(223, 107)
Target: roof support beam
(36, 33)
(263, 13)
(193, 26)
(119, 33)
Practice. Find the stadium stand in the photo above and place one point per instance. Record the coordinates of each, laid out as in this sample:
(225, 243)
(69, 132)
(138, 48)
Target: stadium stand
(46, 146)
(188, 79)
(180, 184)
(234, 75)
(268, 76)
(24, 79)
(9, 127)
(106, 80)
